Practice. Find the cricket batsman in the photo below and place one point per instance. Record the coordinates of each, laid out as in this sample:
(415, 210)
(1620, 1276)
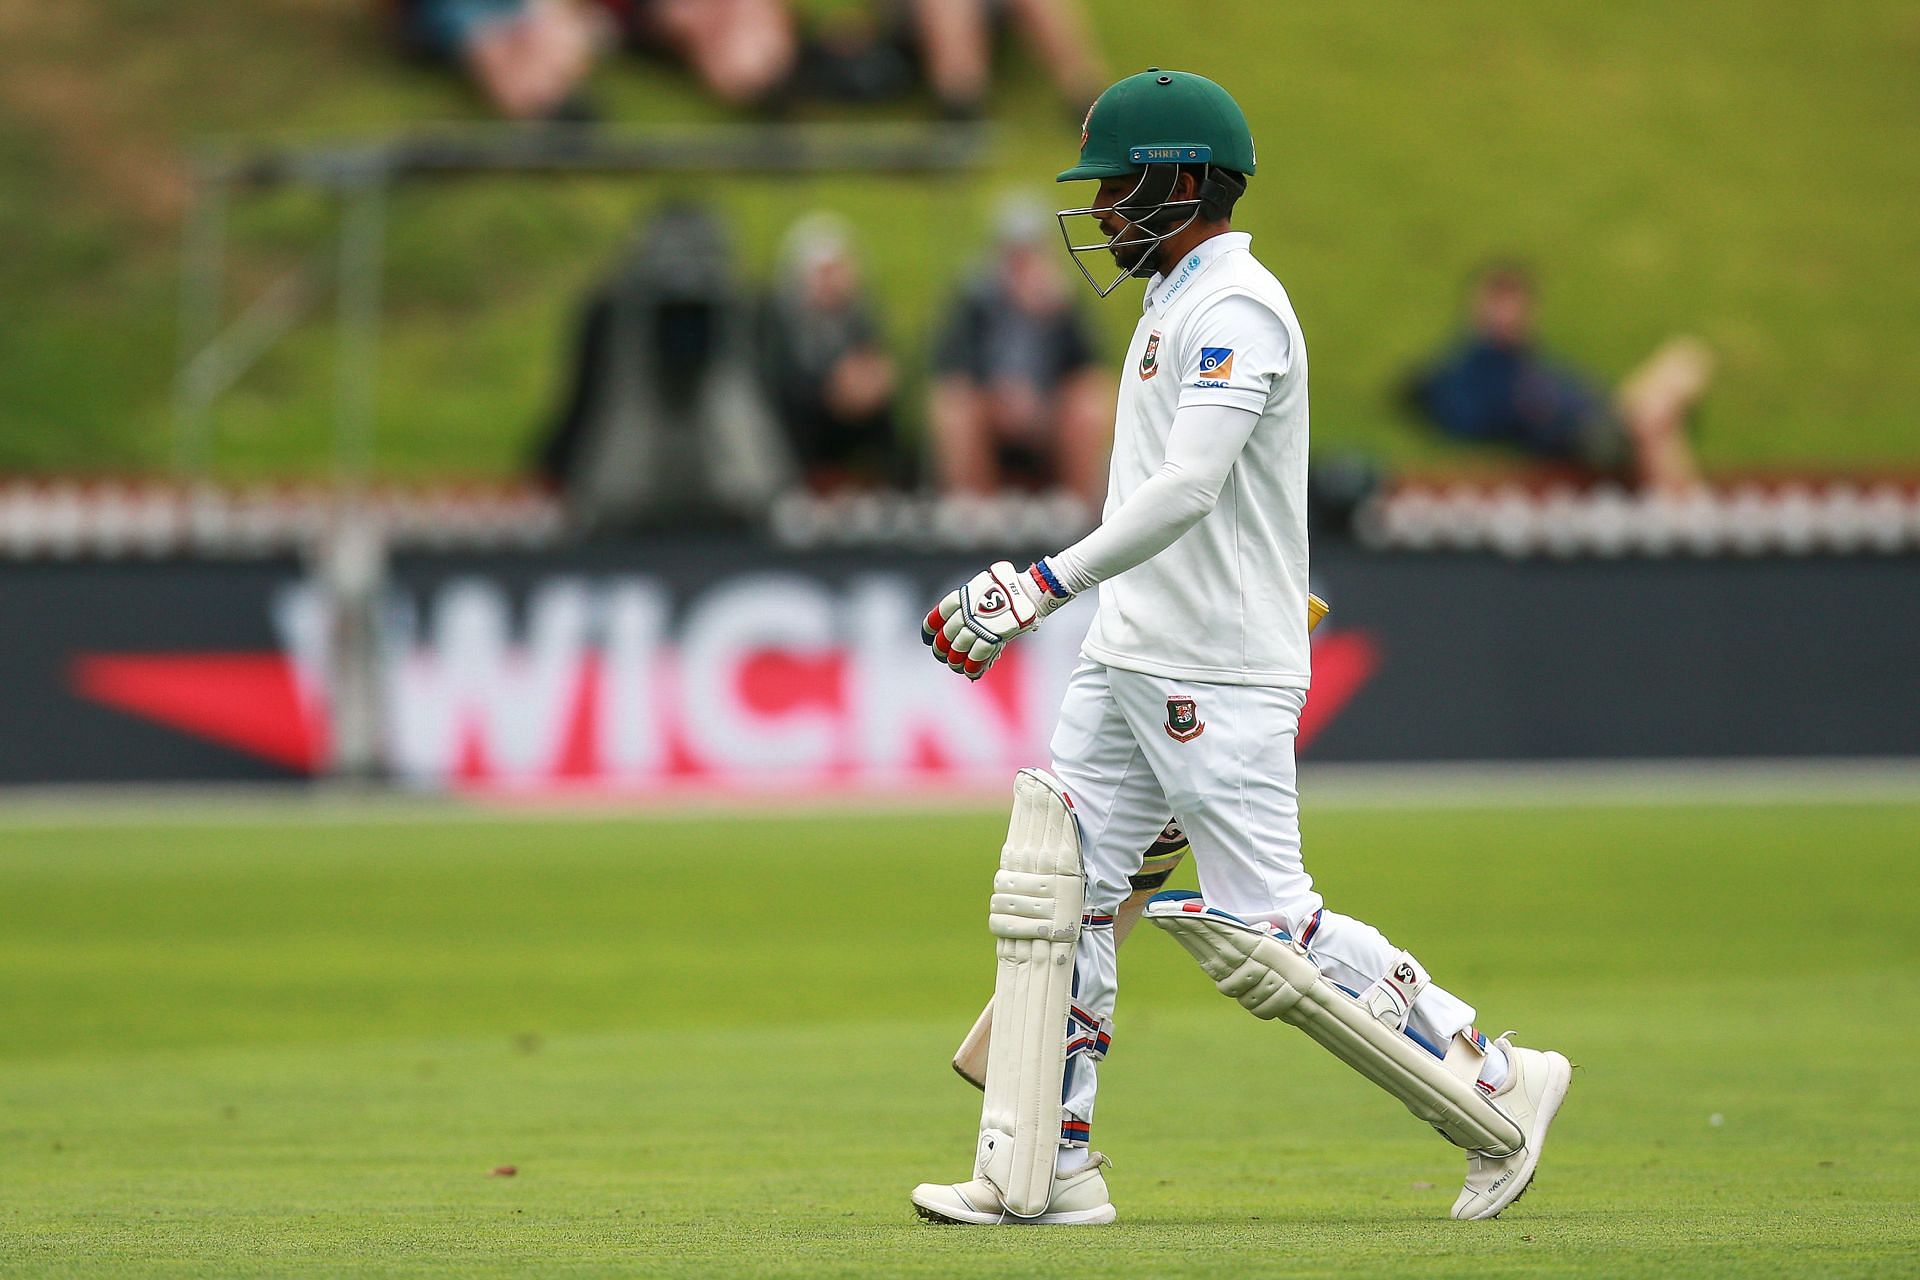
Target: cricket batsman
(1187, 701)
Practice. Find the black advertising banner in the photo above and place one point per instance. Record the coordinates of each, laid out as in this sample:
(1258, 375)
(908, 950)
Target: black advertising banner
(726, 666)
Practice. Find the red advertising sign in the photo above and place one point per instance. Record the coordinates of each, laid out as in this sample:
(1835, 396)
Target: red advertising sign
(765, 682)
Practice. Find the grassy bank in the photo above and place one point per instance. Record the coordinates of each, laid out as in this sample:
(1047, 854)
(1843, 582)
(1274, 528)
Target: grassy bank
(1668, 167)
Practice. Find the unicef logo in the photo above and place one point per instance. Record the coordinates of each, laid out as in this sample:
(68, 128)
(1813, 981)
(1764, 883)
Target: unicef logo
(1194, 261)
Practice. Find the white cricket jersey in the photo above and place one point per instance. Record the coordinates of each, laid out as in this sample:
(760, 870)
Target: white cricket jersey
(1227, 602)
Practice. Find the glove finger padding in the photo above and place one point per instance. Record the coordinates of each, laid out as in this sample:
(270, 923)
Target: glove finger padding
(976, 668)
(953, 641)
(934, 631)
(976, 653)
(965, 650)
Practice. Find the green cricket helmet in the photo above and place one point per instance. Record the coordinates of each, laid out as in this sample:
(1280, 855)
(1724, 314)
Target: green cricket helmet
(1148, 126)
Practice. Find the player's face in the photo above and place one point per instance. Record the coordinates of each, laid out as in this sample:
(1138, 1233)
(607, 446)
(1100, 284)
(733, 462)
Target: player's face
(1136, 213)
(1130, 241)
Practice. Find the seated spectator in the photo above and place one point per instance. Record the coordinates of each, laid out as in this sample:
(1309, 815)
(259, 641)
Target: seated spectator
(528, 56)
(1018, 400)
(1496, 386)
(827, 374)
(744, 51)
(956, 38)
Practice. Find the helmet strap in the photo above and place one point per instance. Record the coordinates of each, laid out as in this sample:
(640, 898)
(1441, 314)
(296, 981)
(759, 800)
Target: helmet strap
(1221, 189)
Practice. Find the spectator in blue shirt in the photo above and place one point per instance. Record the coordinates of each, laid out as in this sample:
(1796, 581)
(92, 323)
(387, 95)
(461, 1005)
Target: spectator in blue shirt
(1496, 386)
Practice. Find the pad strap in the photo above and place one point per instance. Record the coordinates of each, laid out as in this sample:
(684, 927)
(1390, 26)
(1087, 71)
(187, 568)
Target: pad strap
(1390, 1000)
(1466, 1055)
(1087, 1035)
(1271, 976)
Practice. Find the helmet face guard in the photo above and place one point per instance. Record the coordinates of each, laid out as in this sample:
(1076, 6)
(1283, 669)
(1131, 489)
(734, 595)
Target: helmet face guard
(1145, 222)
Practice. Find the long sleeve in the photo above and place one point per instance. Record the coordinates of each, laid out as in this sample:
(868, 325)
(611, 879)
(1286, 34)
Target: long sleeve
(1202, 446)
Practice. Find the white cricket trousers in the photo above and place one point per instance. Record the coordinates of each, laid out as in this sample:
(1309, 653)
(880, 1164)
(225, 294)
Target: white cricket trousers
(1134, 748)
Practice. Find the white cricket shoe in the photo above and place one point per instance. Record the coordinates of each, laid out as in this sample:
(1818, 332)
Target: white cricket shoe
(1079, 1199)
(1535, 1087)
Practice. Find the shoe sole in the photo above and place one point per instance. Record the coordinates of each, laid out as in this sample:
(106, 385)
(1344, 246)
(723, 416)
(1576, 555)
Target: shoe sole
(1077, 1218)
(1557, 1086)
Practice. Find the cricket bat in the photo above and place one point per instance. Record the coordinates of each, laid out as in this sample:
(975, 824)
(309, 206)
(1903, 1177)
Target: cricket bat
(1157, 865)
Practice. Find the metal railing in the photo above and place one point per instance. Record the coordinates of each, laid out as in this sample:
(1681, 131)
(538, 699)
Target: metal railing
(215, 352)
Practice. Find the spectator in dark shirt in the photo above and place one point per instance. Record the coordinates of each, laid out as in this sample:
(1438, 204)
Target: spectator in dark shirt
(827, 372)
(1496, 386)
(1018, 399)
(528, 56)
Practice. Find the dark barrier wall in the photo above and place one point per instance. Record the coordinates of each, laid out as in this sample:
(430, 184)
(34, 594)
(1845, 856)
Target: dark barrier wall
(720, 663)
(54, 616)
(1488, 659)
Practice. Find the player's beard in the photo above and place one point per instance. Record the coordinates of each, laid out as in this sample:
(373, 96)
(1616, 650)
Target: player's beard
(1131, 254)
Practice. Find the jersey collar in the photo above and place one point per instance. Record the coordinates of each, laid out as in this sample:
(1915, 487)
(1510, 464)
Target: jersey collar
(1163, 289)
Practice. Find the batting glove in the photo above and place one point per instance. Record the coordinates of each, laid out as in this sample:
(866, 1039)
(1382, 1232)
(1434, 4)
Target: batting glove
(969, 628)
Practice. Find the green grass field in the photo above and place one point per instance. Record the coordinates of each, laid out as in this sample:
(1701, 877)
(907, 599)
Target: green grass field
(717, 1047)
(1668, 165)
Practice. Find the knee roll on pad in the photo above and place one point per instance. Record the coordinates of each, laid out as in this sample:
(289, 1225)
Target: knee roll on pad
(1039, 894)
(1270, 976)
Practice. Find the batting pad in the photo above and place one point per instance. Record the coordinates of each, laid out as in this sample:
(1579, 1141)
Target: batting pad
(1157, 865)
(1038, 897)
(1270, 976)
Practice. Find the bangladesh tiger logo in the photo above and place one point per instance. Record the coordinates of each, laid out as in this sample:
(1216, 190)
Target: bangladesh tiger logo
(1183, 720)
(1150, 358)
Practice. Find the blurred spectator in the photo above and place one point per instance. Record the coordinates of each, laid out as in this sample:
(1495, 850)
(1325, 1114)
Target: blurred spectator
(1018, 400)
(829, 377)
(528, 56)
(744, 51)
(956, 39)
(1496, 386)
(665, 424)
(857, 54)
